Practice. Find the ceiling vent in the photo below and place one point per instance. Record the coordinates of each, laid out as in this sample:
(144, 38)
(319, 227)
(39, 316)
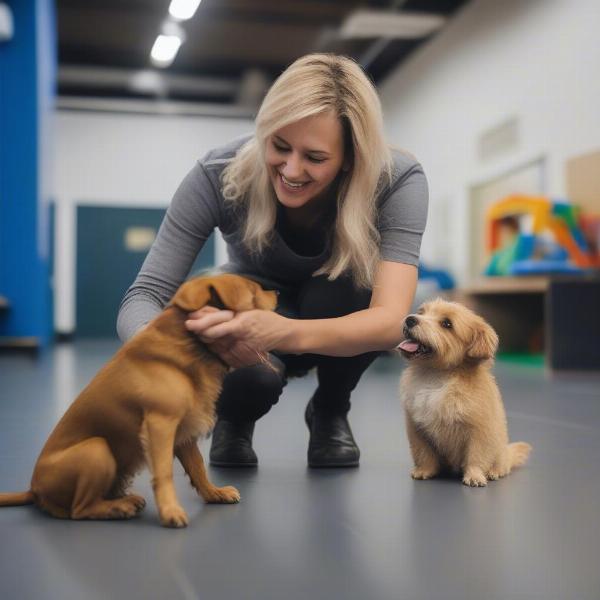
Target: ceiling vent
(363, 24)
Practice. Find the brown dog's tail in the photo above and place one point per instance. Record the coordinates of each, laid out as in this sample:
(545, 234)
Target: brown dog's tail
(518, 453)
(17, 499)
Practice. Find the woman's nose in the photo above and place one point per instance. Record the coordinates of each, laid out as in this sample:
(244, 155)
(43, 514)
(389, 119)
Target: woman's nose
(292, 167)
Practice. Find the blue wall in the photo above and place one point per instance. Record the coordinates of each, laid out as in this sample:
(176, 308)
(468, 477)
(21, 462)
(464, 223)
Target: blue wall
(27, 82)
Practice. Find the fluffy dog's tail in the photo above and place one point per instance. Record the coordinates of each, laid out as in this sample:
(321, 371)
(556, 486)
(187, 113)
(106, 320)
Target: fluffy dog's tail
(17, 499)
(518, 453)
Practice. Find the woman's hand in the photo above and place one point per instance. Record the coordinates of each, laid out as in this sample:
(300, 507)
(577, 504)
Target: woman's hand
(241, 339)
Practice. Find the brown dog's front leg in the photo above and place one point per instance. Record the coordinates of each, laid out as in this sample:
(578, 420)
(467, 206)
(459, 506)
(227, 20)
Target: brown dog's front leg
(193, 463)
(160, 433)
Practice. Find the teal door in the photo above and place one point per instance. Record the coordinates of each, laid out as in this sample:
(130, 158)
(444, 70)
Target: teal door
(112, 244)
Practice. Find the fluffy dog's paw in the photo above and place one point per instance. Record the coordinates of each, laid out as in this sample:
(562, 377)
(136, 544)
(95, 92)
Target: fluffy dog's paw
(422, 473)
(173, 516)
(495, 474)
(223, 495)
(474, 478)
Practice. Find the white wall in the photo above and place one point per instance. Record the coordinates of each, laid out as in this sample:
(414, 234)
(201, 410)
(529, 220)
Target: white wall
(536, 60)
(121, 160)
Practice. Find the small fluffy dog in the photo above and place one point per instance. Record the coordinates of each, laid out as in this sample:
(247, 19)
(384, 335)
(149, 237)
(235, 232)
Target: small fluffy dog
(455, 418)
(151, 401)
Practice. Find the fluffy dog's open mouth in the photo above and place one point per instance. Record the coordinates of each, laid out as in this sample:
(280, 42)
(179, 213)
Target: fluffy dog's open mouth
(413, 348)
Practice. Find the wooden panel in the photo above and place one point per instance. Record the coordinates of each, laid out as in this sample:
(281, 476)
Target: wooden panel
(583, 181)
(508, 285)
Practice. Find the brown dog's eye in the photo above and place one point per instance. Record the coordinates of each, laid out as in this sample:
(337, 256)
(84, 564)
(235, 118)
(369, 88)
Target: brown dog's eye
(447, 324)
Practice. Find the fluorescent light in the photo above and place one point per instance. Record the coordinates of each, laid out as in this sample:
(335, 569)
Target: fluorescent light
(388, 24)
(165, 49)
(183, 9)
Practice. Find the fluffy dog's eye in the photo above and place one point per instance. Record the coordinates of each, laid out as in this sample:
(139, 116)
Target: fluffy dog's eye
(447, 324)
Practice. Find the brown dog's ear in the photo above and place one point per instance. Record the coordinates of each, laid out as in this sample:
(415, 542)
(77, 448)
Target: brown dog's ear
(192, 295)
(225, 291)
(233, 292)
(485, 341)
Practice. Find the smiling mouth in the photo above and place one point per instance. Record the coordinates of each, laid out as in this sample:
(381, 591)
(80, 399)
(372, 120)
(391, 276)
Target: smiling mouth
(413, 348)
(290, 185)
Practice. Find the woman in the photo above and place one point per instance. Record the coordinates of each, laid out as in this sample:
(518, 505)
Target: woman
(316, 206)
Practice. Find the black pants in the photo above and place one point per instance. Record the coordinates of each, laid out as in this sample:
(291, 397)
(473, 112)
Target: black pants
(250, 392)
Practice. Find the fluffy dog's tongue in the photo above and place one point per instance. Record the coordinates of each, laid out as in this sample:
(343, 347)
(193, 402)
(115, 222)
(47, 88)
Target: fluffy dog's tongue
(409, 346)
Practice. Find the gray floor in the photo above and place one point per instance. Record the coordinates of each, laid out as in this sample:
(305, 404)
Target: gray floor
(366, 533)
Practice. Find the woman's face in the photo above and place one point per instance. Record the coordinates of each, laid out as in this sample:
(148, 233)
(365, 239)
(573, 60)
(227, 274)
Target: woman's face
(304, 159)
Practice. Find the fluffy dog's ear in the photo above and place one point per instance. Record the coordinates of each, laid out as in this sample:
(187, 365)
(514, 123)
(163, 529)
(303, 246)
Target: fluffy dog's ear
(485, 341)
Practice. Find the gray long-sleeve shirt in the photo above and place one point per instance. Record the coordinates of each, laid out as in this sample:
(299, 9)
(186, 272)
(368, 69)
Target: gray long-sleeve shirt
(198, 208)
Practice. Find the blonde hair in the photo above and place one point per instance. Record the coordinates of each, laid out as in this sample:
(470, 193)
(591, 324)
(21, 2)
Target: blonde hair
(312, 85)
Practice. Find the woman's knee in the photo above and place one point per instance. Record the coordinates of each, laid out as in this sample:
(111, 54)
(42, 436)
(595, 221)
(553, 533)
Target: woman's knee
(249, 392)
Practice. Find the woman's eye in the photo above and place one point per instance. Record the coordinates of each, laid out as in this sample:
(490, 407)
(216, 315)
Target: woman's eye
(283, 149)
(447, 324)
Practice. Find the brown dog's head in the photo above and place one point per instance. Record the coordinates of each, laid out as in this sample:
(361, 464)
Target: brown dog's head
(225, 291)
(447, 335)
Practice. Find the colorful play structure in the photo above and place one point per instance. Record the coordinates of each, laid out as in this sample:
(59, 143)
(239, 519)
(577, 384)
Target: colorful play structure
(535, 234)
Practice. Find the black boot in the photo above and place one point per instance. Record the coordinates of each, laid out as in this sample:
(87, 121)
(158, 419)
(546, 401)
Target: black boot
(232, 445)
(331, 441)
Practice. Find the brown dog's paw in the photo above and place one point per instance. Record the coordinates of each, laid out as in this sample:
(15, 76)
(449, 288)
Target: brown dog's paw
(223, 495)
(474, 478)
(422, 473)
(173, 516)
(134, 502)
(126, 507)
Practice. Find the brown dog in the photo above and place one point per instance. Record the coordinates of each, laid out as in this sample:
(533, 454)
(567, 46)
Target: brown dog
(153, 399)
(454, 413)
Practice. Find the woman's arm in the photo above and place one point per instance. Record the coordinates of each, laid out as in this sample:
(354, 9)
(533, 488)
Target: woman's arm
(241, 338)
(378, 327)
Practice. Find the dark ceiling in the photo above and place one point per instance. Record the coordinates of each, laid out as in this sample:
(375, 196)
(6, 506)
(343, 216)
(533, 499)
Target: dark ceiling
(233, 49)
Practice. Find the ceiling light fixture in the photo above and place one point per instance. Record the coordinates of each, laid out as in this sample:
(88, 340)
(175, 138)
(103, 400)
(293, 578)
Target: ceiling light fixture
(164, 50)
(183, 9)
(167, 44)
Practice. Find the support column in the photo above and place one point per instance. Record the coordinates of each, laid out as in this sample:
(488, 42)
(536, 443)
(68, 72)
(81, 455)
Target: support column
(27, 91)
